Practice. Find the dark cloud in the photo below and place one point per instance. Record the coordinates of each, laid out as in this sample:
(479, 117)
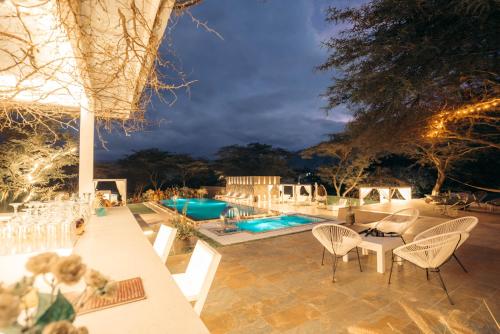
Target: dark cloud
(258, 84)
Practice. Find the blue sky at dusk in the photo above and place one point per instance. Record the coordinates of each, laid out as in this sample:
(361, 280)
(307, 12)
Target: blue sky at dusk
(258, 84)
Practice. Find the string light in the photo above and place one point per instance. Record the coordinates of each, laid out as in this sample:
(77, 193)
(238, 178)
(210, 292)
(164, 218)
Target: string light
(33, 177)
(442, 118)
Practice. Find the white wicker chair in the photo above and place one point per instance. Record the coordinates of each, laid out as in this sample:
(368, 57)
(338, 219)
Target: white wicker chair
(343, 202)
(463, 224)
(398, 222)
(164, 241)
(338, 240)
(430, 253)
(196, 281)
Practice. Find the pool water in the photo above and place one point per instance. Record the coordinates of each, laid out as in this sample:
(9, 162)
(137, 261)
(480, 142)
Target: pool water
(206, 209)
(274, 223)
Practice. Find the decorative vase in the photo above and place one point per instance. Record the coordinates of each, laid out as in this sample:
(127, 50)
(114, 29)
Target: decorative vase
(80, 226)
(349, 217)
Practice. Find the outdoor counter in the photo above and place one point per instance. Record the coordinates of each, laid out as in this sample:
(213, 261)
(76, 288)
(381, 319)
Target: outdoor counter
(116, 246)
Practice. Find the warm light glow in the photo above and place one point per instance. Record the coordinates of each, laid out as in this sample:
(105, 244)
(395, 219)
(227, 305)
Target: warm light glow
(438, 126)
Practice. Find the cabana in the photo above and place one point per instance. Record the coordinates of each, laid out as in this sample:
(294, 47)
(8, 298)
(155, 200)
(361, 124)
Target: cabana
(296, 193)
(121, 186)
(386, 193)
(260, 188)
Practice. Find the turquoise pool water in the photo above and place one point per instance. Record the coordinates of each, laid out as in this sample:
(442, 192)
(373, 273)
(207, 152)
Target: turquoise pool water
(274, 223)
(206, 209)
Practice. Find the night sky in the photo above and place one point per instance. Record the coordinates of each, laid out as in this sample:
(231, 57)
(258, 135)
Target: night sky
(256, 85)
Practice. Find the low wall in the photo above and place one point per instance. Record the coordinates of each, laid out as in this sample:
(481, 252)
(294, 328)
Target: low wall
(362, 216)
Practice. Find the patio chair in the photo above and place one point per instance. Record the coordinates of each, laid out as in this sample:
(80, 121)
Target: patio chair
(164, 241)
(196, 281)
(221, 196)
(463, 224)
(234, 197)
(448, 205)
(479, 197)
(397, 223)
(430, 253)
(243, 198)
(493, 204)
(338, 240)
(341, 204)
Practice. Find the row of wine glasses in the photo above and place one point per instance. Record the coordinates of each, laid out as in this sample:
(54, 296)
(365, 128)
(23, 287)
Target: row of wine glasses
(43, 226)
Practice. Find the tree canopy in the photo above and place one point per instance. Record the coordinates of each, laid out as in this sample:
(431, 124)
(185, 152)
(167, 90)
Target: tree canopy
(33, 167)
(420, 77)
(399, 62)
(253, 159)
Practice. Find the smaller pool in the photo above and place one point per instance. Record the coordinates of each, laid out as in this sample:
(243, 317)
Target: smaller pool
(275, 223)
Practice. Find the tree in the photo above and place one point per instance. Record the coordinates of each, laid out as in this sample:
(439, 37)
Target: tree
(399, 57)
(405, 67)
(147, 167)
(32, 167)
(441, 155)
(349, 164)
(190, 167)
(254, 159)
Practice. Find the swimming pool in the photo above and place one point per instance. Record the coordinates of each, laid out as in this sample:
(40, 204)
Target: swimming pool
(206, 209)
(266, 224)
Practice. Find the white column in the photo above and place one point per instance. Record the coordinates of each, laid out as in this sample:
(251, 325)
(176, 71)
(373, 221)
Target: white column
(86, 154)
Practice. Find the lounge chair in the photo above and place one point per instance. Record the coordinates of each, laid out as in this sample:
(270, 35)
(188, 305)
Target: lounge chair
(221, 196)
(463, 224)
(430, 253)
(248, 199)
(228, 195)
(338, 240)
(196, 281)
(493, 204)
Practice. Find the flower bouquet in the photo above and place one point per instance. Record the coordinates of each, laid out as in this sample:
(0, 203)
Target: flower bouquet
(24, 309)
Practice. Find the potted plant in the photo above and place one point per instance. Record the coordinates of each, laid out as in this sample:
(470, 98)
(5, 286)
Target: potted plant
(185, 232)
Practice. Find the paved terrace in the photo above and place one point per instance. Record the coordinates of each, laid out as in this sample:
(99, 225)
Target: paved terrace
(278, 285)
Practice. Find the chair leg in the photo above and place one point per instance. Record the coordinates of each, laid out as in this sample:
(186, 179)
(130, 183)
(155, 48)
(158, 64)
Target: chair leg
(427, 273)
(404, 242)
(334, 268)
(460, 263)
(359, 261)
(323, 258)
(444, 286)
(392, 266)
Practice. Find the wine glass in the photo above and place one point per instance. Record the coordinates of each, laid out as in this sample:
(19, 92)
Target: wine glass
(15, 206)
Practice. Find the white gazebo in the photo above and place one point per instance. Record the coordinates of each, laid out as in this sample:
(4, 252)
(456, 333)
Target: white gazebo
(121, 186)
(386, 193)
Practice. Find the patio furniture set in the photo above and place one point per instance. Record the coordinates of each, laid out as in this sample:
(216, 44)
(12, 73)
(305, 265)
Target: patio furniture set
(449, 204)
(429, 250)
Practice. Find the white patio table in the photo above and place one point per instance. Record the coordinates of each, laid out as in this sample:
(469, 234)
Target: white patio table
(380, 245)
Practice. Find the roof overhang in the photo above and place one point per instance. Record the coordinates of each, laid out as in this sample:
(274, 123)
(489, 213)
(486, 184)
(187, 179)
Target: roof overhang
(55, 53)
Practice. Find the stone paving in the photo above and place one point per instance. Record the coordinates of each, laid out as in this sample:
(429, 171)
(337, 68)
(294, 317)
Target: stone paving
(278, 285)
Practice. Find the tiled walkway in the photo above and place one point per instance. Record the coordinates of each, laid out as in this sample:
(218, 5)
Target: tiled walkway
(278, 285)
